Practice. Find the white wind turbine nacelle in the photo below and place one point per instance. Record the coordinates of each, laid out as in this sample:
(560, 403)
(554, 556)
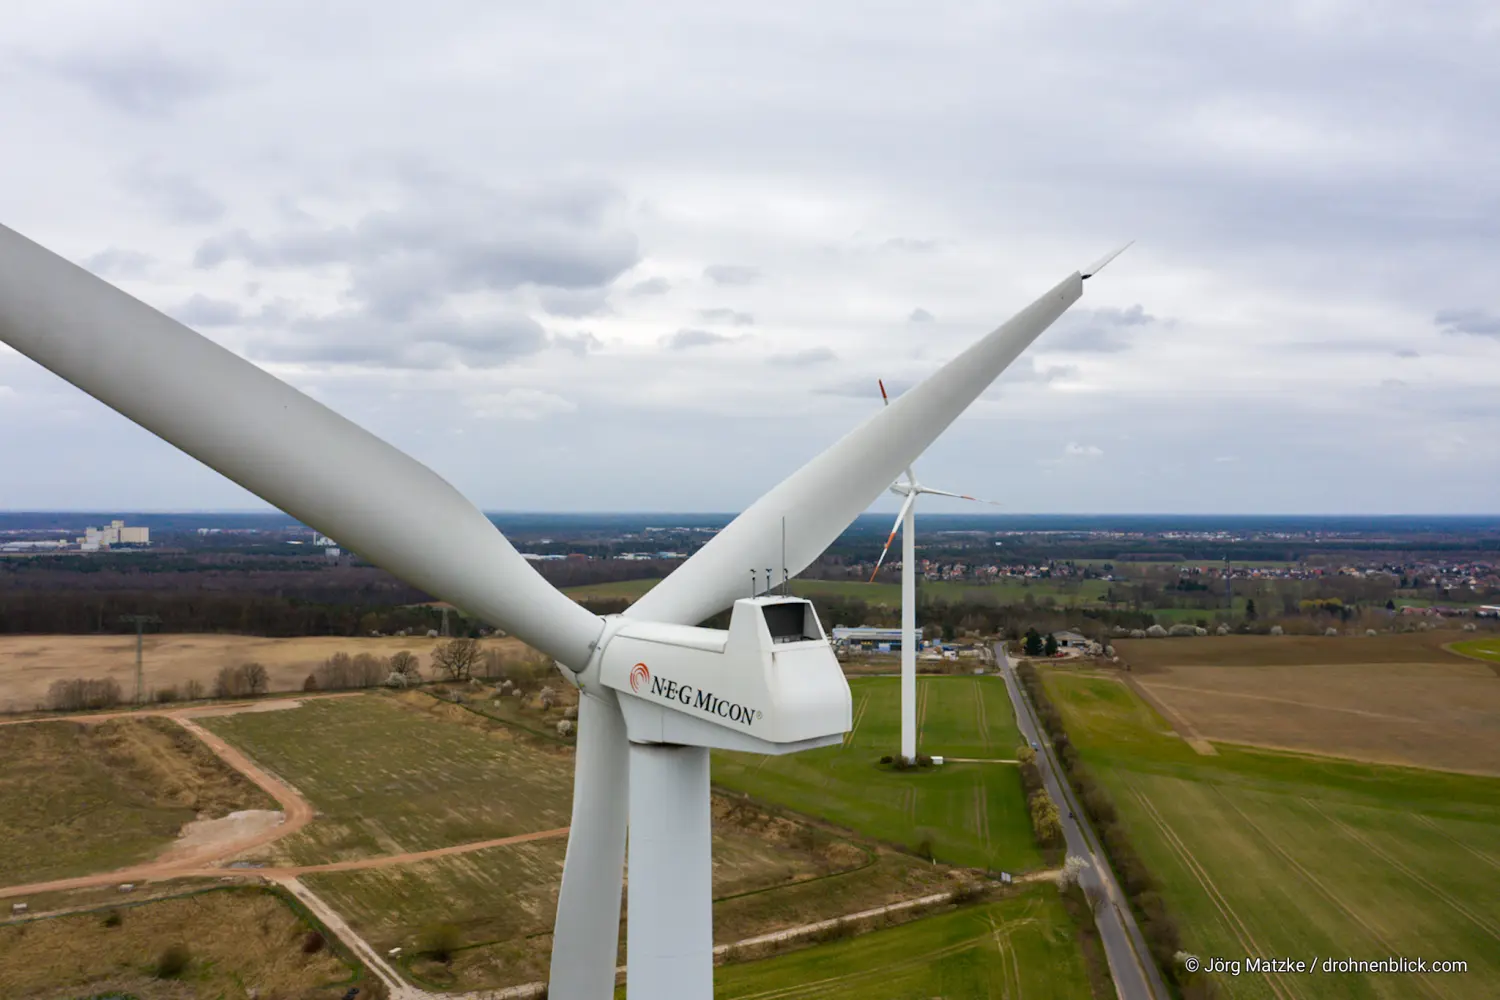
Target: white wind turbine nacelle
(642, 749)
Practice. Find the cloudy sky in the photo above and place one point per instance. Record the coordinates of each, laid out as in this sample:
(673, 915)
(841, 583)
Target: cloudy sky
(654, 256)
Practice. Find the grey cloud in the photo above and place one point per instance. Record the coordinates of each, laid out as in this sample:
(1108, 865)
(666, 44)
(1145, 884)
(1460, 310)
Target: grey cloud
(1407, 352)
(142, 81)
(201, 311)
(1098, 331)
(117, 263)
(731, 274)
(683, 339)
(436, 341)
(1024, 369)
(575, 302)
(579, 343)
(730, 316)
(798, 359)
(452, 238)
(920, 316)
(175, 196)
(1476, 322)
(651, 286)
(909, 245)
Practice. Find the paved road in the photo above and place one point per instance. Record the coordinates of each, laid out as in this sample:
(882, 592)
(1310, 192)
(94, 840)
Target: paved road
(1136, 976)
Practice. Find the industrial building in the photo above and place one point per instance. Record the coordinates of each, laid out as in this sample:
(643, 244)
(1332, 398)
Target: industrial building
(117, 533)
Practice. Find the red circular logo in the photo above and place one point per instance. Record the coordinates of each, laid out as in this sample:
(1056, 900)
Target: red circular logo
(638, 674)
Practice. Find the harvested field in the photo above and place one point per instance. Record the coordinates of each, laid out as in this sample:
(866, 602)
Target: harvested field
(235, 938)
(1146, 655)
(395, 773)
(1395, 699)
(1441, 715)
(30, 663)
(79, 798)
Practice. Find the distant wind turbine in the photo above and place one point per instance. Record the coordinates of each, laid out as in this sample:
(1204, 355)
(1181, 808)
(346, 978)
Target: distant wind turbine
(906, 523)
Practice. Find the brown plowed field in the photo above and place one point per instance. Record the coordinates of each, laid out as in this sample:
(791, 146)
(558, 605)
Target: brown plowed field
(1395, 699)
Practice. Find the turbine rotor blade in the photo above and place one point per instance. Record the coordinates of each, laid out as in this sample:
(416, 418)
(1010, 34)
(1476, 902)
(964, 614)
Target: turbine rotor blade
(959, 496)
(823, 497)
(905, 506)
(911, 476)
(281, 445)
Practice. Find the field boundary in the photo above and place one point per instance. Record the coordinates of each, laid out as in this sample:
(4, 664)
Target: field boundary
(1184, 728)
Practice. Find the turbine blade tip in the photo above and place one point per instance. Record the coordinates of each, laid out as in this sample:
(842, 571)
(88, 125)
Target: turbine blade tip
(1102, 262)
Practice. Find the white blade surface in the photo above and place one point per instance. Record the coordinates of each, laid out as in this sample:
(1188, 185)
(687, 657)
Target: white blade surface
(911, 475)
(822, 498)
(911, 498)
(281, 445)
(958, 496)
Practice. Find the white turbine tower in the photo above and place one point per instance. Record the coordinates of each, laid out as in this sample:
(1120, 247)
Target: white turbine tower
(906, 523)
(657, 693)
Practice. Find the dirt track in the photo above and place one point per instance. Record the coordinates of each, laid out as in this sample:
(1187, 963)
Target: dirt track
(206, 858)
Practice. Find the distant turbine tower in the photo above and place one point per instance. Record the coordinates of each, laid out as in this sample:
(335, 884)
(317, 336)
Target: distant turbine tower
(656, 692)
(906, 523)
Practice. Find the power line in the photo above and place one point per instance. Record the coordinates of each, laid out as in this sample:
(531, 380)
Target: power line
(140, 622)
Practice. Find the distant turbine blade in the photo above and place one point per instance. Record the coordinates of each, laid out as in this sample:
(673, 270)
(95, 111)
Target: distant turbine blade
(959, 496)
(823, 497)
(905, 506)
(280, 444)
(911, 476)
(1102, 262)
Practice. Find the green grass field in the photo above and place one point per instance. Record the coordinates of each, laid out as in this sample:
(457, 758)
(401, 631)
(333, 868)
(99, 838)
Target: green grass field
(387, 776)
(974, 814)
(1480, 649)
(1022, 946)
(1263, 853)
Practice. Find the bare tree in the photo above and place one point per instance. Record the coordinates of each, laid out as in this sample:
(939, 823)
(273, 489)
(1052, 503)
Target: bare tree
(369, 670)
(407, 665)
(79, 693)
(456, 658)
(256, 679)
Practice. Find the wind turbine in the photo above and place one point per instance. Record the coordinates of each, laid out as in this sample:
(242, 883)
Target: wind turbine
(656, 692)
(906, 523)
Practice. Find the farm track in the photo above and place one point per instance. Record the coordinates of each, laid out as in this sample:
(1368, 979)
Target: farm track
(1185, 729)
(1376, 935)
(982, 718)
(923, 691)
(1425, 821)
(1221, 903)
(207, 859)
(859, 716)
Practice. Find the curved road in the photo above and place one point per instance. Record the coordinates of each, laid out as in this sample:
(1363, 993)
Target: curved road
(1135, 974)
